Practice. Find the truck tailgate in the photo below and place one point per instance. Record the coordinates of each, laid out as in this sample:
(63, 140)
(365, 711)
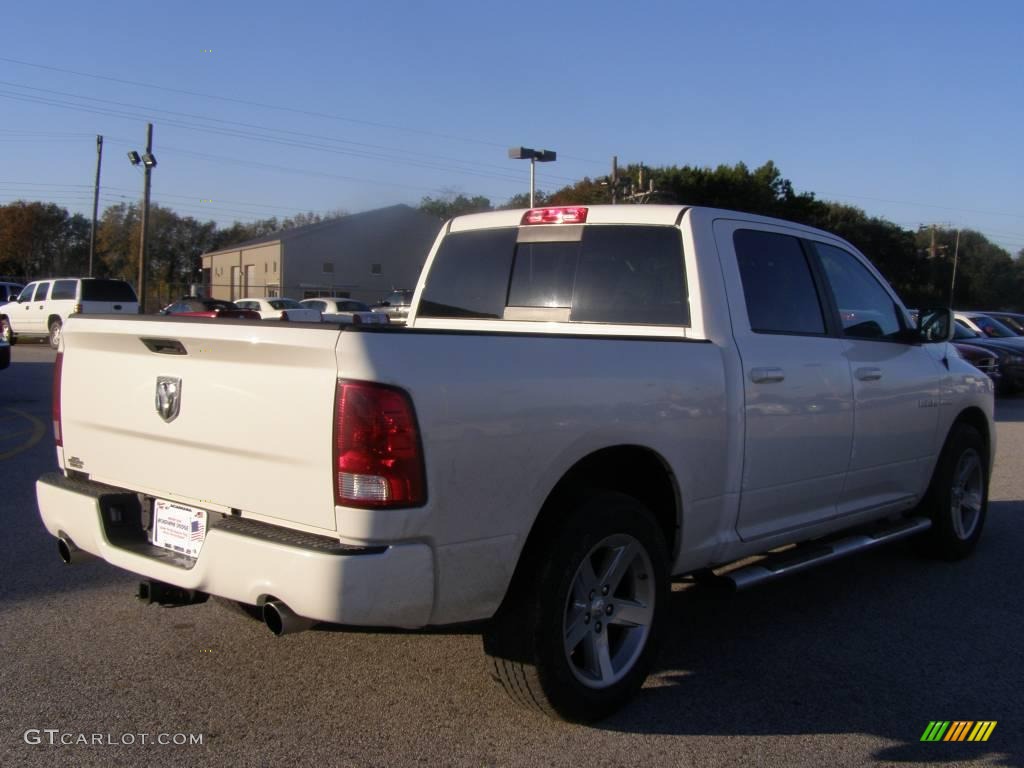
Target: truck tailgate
(253, 427)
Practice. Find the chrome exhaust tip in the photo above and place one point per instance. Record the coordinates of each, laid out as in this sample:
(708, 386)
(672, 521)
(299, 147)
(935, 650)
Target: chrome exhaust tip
(281, 620)
(69, 553)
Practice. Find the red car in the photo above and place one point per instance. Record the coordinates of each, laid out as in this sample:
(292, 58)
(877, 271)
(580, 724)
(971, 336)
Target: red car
(191, 306)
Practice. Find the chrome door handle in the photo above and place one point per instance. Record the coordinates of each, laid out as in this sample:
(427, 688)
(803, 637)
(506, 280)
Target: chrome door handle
(766, 375)
(868, 374)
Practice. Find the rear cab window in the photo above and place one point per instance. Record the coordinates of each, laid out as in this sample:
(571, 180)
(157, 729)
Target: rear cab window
(598, 273)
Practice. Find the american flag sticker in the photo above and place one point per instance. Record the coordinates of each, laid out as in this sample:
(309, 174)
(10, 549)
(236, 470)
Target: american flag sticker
(198, 532)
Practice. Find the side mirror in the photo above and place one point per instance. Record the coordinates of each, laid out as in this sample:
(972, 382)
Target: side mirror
(935, 326)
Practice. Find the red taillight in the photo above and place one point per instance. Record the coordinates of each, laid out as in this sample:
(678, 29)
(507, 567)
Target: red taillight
(58, 368)
(378, 461)
(563, 215)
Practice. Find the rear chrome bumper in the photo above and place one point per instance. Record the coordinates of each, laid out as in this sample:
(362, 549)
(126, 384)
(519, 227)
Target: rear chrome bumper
(318, 577)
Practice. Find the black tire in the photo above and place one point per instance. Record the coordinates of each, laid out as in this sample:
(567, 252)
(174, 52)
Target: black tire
(55, 331)
(957, 499)
(591, 677)
(6, 332)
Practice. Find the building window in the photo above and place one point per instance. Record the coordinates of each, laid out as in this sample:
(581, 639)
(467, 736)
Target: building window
(328, 266)
(375, 269)
(275, 266)
(266, 267)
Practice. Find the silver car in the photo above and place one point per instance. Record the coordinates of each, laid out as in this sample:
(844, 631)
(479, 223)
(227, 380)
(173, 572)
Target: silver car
(396, 305)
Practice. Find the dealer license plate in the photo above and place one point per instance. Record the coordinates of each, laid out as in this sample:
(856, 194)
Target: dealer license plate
(178, 527)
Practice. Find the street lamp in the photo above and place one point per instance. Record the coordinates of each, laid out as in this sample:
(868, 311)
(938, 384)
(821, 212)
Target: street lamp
(534, 156)
(148, 162)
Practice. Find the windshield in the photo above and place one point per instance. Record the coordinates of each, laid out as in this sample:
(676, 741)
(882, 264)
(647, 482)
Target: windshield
(961, 331)
(992, 327)
(1013, 323)
(399, 297)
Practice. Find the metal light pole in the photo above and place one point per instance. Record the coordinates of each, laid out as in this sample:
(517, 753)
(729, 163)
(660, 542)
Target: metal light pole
(956, 255)
(95, 200)
(534, 156)
(148, 164)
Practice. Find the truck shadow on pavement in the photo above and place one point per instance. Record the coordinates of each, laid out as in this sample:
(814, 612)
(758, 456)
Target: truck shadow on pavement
(1010, 409)
(879, 644)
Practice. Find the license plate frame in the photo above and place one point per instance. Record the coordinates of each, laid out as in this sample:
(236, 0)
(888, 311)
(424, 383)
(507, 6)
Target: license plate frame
(178, 527)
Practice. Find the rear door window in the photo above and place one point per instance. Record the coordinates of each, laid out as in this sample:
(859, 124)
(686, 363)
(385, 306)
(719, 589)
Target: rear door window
(608, 274)
(64, 289)
(42, 292)
(777, 284)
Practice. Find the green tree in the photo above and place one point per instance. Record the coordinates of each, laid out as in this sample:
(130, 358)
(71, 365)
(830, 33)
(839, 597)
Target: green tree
(40, 239)
(449, 204)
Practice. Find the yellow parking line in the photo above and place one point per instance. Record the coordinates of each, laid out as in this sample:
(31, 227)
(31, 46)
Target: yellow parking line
(38, 430)
(19, 433)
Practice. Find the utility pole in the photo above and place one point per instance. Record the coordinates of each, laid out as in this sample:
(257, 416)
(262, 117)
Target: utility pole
(931, 248)
(95, 200)
(147, 168)
(615, 179)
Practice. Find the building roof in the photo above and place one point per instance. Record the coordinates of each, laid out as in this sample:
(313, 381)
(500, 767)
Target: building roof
(379, 217)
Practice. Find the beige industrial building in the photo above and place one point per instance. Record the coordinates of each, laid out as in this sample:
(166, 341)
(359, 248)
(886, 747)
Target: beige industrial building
(363, 256)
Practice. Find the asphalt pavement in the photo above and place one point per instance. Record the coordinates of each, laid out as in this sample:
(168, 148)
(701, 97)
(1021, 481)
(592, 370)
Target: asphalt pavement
(844, 665)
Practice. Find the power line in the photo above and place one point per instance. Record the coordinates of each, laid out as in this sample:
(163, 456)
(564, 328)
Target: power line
(263, 105)
(414, 160)
(256, 137)
(921, 205)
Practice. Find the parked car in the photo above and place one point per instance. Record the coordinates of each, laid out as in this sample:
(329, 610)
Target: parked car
(192, 306)
(43, 306)
(985, 324)
(280, 309)
(584, 408)
(396, 305)
(336, 309)
(5, 355)
(9, 291)
(1009, 355)
(1012, 320)
(985, 360)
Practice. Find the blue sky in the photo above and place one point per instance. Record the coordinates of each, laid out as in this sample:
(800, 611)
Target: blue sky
(910, 110)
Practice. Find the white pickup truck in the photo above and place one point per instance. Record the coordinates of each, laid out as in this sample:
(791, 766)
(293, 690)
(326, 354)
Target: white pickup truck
(586, 402)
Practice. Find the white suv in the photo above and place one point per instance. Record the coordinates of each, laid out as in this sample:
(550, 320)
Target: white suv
(43, 306)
